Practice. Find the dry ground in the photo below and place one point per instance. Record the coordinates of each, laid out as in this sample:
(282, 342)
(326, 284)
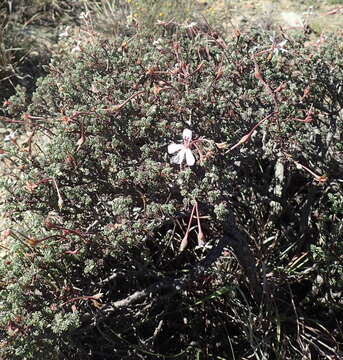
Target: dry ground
(321, 16)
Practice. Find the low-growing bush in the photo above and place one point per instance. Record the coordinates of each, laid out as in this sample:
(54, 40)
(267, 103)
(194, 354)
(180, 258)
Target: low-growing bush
(100, 208)
(29, 32)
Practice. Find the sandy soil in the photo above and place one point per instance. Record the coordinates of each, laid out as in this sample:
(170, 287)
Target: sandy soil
(289, 14)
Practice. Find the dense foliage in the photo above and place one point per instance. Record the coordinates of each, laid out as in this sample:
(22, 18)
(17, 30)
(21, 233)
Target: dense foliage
(99, 211)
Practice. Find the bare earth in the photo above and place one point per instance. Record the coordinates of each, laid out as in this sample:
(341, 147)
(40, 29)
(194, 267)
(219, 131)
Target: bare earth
(319, 15)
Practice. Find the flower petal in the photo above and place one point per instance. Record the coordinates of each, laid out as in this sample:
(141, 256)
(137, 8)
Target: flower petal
(178, 158)
(187, 134)
(174, 147)
(190, 159)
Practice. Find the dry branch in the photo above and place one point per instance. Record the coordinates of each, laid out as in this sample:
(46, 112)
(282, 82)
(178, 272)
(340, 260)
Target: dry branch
(233, 239)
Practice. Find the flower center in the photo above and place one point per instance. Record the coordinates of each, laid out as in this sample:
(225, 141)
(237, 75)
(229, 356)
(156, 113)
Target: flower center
(187, 143)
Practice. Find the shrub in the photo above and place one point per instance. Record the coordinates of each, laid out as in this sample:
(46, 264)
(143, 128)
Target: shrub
(99, 211)
(29, 32)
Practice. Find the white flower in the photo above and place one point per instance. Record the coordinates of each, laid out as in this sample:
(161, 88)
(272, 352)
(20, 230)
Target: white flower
(84, 15)
(278, 46)
(77, 47)
(65, 33)
(191, 25)
(11, 137)
(184, 151)
(157, 42)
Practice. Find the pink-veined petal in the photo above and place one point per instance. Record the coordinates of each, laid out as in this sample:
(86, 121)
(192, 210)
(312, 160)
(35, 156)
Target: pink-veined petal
(178, 158)
(190, 159)
(187, 134)
(174, 147)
